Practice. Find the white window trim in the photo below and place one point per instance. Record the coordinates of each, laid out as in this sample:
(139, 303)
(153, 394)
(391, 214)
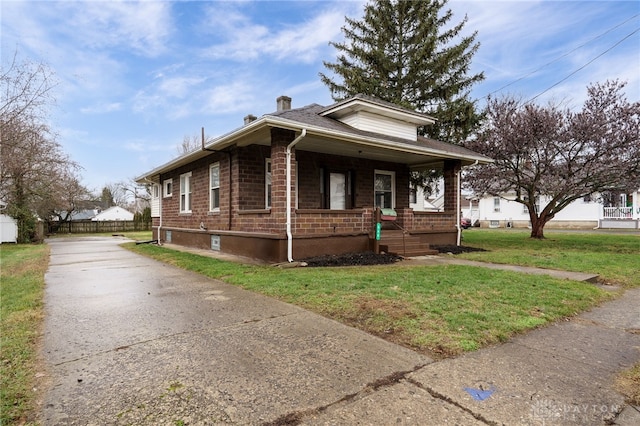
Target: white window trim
(155, 191)
(267, 182)
(165, 185)
(496, 209)
(186, 191)
(211, 188)
(393, 184)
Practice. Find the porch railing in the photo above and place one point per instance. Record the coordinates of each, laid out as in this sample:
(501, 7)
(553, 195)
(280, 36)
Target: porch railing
(617, 212)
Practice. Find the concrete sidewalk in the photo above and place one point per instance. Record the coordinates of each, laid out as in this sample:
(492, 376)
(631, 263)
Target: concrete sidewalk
(451, 260)
(559, 375)
(129, 340)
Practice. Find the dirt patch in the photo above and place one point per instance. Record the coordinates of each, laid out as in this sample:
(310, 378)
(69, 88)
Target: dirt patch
(628, 384)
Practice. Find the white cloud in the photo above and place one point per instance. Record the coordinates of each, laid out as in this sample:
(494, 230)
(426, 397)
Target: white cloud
(139, 26)
(180, 87)
(236, 96)
(241, 39)
(102, 108)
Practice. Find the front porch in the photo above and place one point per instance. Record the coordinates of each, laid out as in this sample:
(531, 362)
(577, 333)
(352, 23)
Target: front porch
(620, 218)
(623, 212)
(410, 234)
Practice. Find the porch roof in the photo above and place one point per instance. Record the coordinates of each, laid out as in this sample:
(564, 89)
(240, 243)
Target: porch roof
(330, 136)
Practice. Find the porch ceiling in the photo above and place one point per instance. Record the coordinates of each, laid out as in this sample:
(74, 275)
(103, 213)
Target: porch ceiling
(360, 150)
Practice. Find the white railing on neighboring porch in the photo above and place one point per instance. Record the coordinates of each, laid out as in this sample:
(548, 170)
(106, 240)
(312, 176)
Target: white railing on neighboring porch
(618, 212)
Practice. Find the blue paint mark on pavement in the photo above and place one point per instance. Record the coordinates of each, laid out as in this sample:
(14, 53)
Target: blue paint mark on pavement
(480, 394)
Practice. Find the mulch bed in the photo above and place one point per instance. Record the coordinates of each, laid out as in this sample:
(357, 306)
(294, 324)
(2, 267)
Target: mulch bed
(353, 259)
(370, 258)
(456, 249)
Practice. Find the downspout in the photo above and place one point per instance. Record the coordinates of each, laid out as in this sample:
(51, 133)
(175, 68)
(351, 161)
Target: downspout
(160, 211)
(458, 206)
(288, 154)
(459, 185)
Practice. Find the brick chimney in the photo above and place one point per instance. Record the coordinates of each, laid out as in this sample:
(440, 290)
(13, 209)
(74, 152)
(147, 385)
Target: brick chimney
(284, 103)
(249, 118)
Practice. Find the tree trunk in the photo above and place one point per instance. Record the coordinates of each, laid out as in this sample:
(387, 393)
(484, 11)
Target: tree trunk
(537, 229)
(537, 225)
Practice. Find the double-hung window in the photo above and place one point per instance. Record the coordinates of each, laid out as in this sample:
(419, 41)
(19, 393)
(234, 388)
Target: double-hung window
(168, 188)
(214, 187)
(185, 193)
(384, 186)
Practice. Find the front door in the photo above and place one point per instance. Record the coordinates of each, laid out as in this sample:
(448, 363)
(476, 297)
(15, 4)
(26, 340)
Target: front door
(337, 193)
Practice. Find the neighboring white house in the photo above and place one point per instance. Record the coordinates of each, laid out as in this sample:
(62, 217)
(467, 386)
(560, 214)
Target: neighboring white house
(113, 214)
(585, 213)
(419, 203)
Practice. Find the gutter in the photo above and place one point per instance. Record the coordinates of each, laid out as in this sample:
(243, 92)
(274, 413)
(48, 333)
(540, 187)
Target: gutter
(288, 156)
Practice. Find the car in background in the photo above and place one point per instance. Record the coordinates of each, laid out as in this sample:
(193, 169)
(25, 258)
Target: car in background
(465, 223)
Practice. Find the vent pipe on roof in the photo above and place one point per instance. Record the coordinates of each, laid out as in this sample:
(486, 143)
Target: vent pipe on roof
(284, 103)
(249, 118)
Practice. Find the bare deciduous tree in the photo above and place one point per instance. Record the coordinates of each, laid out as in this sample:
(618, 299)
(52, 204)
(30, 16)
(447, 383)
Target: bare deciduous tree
(126, 194)
(191, 143)
(32, 163)
(558, 155)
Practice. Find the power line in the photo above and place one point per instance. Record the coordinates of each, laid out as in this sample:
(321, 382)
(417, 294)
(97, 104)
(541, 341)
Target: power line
(565, 55)
(583, 66)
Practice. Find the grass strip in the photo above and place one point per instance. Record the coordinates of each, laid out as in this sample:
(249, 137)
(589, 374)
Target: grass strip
(22, 269)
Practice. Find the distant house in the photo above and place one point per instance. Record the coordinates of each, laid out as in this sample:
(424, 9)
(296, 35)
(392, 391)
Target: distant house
(113, 214)
(619, 212)
(76, 215)
(310, 181)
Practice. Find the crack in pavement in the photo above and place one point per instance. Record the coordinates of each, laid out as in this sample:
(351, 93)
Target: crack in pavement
(297, 417)
(448, 400)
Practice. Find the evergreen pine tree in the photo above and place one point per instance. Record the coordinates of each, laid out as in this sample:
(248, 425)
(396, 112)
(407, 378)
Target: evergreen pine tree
(407, 53)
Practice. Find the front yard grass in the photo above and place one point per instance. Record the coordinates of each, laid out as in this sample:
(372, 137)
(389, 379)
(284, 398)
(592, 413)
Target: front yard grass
(22, 269)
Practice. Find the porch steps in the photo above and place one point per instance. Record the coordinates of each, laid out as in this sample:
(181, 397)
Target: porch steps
(409, 246)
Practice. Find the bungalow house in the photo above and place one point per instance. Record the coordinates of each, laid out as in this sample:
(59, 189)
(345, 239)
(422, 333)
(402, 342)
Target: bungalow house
(303, 182)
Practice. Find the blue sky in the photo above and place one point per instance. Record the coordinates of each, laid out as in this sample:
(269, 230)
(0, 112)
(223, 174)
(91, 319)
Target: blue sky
(136, 77)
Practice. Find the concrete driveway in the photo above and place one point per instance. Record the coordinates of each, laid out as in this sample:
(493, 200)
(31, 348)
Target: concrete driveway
(129, 340)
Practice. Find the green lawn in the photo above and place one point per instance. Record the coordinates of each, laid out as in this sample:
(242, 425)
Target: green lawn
(22, 269)
(615, 257)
